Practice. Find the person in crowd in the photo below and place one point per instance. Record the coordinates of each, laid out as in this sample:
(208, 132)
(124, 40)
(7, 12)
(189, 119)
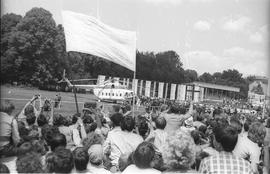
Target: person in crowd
(59, 121)
(176, 116)
(81, 160)
(33, 129)
(29, 163)
(4, 168)
(249, 147)
(91, 139)
(59, 161)
(114, 136)
(29, 108)
(96, 160)
(48, 132)
(9, 133)
(180, 152)
(225, 139)
(143, 126)
(58, 140)
(143, 158)
(158, 136)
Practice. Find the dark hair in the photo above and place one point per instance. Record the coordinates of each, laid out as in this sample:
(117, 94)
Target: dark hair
(75, 118)
(144, 155)
(128, 123)
(236, 124)
(81, 158)
(58, 119)
(160, 123)
(57, 141)
(116, 119)
(227, 137)
(90, 127)
(24, 148)
(143, 128)
(202, 129)
(267, 123)
(91, 139)
(4, 168)
(87, 119)
(28, 109)
(48, 132)
(195, 134)
(60, 161)
(29, 163)
(42, 120)
(30, 118)
(6, 106)
(38, 147)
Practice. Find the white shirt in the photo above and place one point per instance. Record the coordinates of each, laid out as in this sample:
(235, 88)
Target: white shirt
(120, 142)
(132, 169)
(97, 170)
(247, 149)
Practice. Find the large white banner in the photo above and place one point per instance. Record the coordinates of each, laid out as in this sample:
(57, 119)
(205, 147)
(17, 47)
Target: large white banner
(147, 88)
(173, 88)
(160, 89)
(87, 34)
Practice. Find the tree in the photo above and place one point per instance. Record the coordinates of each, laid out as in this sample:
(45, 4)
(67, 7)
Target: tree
(32, 50)
(190, 75)
(206, 77)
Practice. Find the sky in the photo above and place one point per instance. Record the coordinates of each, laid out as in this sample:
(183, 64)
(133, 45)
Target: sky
(208, 35)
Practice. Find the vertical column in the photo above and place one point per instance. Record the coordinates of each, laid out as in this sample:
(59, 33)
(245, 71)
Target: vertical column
(201, 93)
(166, 90)
(160, 89)
(147, 88)
(135, 86)
(127, 81)
(173, 87)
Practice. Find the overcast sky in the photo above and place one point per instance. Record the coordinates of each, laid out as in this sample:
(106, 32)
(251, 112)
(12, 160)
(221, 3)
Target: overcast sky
(209, 35)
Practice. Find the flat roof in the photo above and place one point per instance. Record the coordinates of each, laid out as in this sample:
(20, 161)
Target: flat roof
(215, 86)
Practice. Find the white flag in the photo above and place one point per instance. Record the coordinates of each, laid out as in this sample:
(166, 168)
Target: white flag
(87, 34)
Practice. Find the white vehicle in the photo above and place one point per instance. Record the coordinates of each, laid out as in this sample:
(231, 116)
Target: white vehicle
(110, 90)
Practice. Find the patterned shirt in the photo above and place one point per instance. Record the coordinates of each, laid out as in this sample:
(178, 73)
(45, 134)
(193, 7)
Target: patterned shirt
(225, 163)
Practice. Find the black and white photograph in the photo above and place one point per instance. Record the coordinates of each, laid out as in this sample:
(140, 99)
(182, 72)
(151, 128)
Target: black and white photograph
(135, 86)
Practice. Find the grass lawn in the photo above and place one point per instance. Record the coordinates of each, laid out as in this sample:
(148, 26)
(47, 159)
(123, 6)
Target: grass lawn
(20, 96)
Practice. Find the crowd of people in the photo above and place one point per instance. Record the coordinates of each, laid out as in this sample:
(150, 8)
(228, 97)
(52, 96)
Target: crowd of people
(169, 137)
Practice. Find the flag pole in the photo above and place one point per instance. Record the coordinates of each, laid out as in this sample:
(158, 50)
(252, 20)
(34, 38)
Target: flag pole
(133, 103)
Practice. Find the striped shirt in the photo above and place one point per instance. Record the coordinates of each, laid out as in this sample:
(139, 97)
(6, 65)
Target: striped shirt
(225, 163)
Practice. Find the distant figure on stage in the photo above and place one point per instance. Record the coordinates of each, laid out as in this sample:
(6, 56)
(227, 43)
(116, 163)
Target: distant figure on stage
(57, 101)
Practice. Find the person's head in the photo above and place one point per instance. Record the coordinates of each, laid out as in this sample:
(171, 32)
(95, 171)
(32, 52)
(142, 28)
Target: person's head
(116, 119)
(60, 161)
(180, 153)
(58, 140)
(90, 127)
(38, 147)
(91, 139)
(24, 148)
(42, 120)
(128, 123)
(96, 154)
(195, 134)
(48, 132)
(202, 129)
(257, 132)
(58, 119)
(226, 137)
(31, 119)
(81, 158)
(4, 168)
(28, 109)
(143, 155)
(237, 124)
(7, 107)
(29, 163)
(143, 127)
(75, 118)
(160, 122)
